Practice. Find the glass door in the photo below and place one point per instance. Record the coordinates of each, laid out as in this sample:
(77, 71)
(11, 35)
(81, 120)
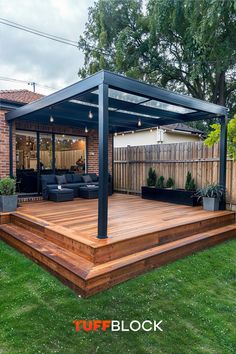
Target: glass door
(26, 162)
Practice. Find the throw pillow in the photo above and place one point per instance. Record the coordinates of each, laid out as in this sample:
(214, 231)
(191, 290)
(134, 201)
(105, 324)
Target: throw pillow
(61, 179)
(87, 179)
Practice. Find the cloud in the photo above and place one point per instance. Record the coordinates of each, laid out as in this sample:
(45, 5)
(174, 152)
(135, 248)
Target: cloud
(32, 58)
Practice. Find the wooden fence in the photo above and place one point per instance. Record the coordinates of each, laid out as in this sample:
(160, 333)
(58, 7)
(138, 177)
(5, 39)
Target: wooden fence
(131, 165)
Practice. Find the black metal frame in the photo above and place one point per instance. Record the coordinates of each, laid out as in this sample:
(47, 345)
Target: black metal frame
(114, 115)
(11, 149)
(103, 161)
(223, 157)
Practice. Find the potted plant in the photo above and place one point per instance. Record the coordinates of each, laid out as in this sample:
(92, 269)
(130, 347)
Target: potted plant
(190, 184)
(172, 195)
(8, 198)
(170, 183)
(152, 177)
(211, 195)
(160, 182)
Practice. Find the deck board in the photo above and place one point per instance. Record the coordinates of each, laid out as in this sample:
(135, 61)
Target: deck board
(129, 216)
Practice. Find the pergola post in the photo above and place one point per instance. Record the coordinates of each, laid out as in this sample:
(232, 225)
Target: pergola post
(38, 161)
(103, 130)
(53, 154)
(11, 149)
(223, 157)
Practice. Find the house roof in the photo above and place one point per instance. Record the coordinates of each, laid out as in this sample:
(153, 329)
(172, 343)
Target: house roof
(19, 96)
(183, 128)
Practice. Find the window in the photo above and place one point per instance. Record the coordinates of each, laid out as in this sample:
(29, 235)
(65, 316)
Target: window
(45, 151)
(70, 153)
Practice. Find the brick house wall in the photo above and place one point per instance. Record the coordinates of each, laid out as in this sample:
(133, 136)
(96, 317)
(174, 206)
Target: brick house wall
(92, 142)
(4, 146)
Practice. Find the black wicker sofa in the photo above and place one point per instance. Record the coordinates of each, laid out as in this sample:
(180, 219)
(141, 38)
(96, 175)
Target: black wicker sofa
(72, 181)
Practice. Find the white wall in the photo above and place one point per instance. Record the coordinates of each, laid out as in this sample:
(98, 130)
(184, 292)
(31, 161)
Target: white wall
(147, 137)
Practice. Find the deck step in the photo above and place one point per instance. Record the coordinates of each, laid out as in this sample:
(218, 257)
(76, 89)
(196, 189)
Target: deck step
(88, 278)
(118, 247)
(63, 263)
(61, 236)
(106, 275)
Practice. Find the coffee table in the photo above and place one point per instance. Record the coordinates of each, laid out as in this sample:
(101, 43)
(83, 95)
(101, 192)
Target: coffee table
(61, 195)
(88, 192)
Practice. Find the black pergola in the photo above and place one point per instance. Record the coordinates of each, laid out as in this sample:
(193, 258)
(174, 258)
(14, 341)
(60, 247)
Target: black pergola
(118, 104)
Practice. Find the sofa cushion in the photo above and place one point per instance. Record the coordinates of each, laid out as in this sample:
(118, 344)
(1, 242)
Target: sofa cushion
(87, 179)
(69, 178)
(71, 185)
(49, 179)
(94, 177)
(52, 186)
(61, 179)
(77, 178)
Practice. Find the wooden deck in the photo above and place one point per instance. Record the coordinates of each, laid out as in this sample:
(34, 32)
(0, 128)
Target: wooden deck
(143, 234)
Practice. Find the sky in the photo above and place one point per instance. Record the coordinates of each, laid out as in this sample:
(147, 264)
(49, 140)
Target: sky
(25, 56)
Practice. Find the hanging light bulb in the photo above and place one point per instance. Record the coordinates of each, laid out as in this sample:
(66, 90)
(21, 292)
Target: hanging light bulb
(51, 119)
(115, 134)
(90, 115)
(132, 131)
(86, 129)
(123, 134)
(150, 130)
(139, 122)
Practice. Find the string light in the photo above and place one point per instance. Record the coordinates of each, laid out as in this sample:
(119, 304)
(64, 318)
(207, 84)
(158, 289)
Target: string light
(86, 129)
(51, 119)
(90, 115)
(139, 123)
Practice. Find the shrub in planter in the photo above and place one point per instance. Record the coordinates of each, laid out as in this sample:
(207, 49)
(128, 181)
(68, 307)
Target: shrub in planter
(152, 178)
(8, 198)
(211, 195)
(170, 183)
(160, 182)
(190, 184)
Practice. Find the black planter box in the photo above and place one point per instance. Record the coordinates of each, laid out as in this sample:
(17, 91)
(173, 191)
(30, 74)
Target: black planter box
(176, 196)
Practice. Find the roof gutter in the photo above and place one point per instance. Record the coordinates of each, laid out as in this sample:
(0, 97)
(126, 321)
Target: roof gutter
(9, 105)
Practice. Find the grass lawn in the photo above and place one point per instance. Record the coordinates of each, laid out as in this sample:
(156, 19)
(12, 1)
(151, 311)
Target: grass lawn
(194, 297)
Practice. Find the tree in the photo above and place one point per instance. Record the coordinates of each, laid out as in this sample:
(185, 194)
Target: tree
(185, 45)
(214, 137)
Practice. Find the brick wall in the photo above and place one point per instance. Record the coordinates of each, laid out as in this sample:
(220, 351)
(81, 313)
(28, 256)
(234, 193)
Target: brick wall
(92, 142)
(4, 146)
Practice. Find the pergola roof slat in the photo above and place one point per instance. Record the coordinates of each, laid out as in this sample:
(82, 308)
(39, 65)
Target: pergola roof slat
(145, 90)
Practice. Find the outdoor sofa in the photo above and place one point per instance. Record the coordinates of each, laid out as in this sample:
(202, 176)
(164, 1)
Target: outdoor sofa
(72, 181)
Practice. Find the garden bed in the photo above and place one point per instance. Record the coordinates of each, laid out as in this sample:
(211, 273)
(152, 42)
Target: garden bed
(176, 196)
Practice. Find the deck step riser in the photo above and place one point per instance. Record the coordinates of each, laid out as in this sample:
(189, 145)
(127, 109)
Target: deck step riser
(124, 247)
(198, 227)
(137, 244)
(71, 245)
(120, 275)
(5, 218)
(49, 234)
(47, 263)
(106, 276)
